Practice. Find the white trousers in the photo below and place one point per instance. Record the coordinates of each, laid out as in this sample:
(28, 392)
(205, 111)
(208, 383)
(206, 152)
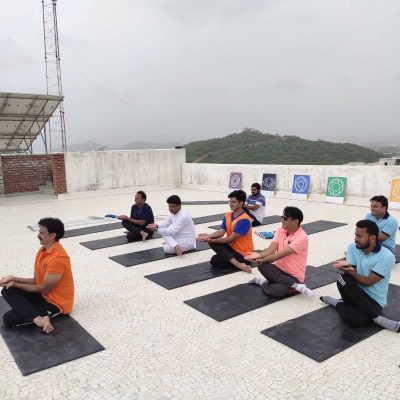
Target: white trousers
(171, 242)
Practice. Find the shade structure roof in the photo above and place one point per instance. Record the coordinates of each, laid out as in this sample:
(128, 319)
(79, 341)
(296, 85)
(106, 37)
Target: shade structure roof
(22, 118)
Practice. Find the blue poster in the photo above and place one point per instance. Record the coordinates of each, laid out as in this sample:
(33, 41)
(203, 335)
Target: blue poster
(301, 186)
(268, 184)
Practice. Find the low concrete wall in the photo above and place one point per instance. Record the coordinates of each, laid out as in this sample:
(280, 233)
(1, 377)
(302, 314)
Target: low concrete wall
(101, 170)
(362, 181)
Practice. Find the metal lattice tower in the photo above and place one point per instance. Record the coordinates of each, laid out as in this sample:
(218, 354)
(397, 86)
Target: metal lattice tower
(56, 128)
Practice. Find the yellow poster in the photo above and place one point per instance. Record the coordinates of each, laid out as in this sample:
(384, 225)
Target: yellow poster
(395, 191)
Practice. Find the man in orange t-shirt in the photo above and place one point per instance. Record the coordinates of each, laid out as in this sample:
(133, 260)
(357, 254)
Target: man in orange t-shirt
(231, 249)
(283, 263)
(50, 292)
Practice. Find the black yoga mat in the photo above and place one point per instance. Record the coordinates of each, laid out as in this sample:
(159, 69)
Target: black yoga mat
(120, 240)
(207, 218)
(396, 254)
(198, 203)
(320, 226)
(110, 242)
(321, 334)
(93, 229)
(145, 256)
(183, 276)
(35, 351)
(310, 228)
(272, 219)
(243, 298)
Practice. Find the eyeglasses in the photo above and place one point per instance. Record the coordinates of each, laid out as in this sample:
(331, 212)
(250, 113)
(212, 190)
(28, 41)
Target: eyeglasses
(284, 217)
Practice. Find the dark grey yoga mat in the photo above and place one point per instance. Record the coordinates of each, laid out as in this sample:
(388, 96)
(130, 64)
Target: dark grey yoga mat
(207, 218)
(110, 242)
(243, 298)
(145, 256)
(183, 276)
(272, 219)
(310, 228)
(118, 225)
(320, 226)
(35, 351)
(396, 254)
(206, 202)
(120, 240)
(321, 334)
(93, 229)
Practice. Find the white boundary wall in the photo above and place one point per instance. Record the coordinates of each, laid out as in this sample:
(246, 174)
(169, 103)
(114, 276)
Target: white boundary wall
(363, 181)
(102, 170)
(111, 170)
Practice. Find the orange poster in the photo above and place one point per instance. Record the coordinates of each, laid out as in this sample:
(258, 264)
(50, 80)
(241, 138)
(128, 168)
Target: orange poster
(394, 197)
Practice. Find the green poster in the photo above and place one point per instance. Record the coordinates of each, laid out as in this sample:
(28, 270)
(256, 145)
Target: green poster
(336, 189)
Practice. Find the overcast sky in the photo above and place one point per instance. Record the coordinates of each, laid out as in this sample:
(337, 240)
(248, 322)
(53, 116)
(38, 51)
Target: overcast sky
(185, 70)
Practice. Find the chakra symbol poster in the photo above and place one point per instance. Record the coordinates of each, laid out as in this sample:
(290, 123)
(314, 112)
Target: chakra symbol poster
(268, 185)
(235, 180)
(336, 189)
(301, 186)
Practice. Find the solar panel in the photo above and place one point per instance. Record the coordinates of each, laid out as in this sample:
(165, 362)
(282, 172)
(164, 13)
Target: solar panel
(22, 118)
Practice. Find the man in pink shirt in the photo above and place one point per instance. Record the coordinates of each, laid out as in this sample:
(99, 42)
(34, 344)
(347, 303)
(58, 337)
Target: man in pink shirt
(283, 263)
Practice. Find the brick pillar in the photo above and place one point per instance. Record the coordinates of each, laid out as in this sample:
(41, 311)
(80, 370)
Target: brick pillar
(58, 172)
(1, 179)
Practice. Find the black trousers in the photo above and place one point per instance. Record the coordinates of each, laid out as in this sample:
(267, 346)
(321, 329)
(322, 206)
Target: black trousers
(278, 282)
(134, 231)
(224, 253)
(25, 307)
(255, 220)
(357, 308)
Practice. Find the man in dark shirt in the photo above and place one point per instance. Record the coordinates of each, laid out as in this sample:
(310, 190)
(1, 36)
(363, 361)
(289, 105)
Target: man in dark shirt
(141, 216)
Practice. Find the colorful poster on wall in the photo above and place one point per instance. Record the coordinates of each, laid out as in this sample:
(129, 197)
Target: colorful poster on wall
(301, 186)
(335, 189)
(394, 198)
(235, 180)
(268, 185)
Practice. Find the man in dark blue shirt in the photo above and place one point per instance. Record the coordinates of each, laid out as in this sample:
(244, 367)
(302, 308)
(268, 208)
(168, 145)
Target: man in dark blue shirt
(141, 216)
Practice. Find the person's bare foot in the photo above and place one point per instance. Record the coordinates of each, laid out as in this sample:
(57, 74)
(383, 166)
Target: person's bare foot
(44, 323)
(245, 268)
(178, 250)
(144, 235)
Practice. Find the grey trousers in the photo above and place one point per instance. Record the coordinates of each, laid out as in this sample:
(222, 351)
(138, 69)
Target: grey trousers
(278, 282)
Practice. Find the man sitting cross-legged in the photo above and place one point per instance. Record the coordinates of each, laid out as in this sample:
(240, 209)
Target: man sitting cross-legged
(141, 216)
(387, 224)
(365, 280)
(283, 263)
(50, 292)
(255, 205)
(177, 229)
(238, 241)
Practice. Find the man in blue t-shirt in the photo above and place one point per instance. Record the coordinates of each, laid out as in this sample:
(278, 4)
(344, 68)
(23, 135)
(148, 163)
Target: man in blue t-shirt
(387, 224)
(365, 280)
(141, 216)
(255, 205)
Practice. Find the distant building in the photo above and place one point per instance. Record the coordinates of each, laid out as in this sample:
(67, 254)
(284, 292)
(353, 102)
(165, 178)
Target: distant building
(390, 161)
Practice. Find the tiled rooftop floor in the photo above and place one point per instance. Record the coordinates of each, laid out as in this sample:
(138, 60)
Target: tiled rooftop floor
(159, 348)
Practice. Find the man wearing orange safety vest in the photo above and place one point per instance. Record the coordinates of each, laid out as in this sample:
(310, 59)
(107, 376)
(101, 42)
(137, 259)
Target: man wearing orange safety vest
(231, 248)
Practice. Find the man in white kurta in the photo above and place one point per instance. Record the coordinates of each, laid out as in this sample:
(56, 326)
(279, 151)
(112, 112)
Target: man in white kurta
(177, 229)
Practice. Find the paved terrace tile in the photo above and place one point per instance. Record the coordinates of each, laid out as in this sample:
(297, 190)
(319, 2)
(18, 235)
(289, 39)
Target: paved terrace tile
(159, 348)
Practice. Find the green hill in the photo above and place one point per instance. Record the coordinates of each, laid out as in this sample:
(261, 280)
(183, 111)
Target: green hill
(254, 147)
